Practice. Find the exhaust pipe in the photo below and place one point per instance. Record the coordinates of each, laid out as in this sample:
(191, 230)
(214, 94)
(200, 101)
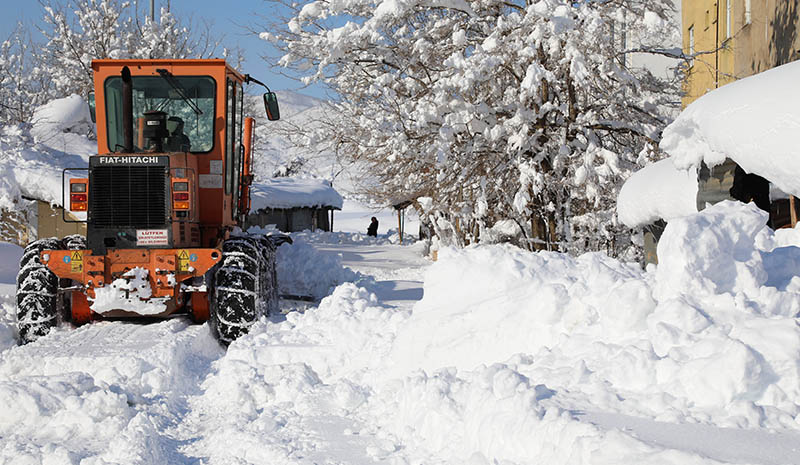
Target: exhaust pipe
(127, 111)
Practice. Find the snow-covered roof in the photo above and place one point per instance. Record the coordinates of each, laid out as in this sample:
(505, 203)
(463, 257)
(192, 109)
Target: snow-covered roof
(754, 122)
(294, 193)
(657, 191)
(32, 156)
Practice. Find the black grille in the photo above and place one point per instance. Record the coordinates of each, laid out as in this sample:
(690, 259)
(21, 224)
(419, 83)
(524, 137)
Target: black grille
(133, 196)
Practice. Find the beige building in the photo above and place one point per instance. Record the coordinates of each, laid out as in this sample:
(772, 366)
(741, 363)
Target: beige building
(736, 39)
(36, 220)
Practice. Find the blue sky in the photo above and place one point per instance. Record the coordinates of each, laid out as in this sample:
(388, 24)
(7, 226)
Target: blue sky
(229, 18)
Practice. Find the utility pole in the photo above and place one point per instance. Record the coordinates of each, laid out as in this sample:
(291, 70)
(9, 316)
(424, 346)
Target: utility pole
(153, 10)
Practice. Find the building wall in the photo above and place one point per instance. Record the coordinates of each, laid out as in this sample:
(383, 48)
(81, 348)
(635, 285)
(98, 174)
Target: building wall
(768, 38)
(771, 39)
(291, 220)
(51, 224)
(14, 227)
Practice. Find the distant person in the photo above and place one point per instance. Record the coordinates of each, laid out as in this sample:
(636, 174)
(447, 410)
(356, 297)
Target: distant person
(372, 230)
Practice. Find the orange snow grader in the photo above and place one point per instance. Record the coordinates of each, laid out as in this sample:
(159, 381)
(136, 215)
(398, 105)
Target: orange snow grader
(161, 201)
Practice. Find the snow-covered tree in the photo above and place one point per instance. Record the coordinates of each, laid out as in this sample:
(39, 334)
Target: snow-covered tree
(492, 111)
(23, 84)
(79, 31)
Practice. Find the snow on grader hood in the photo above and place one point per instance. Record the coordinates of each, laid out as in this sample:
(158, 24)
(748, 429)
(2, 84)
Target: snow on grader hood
(169, 186)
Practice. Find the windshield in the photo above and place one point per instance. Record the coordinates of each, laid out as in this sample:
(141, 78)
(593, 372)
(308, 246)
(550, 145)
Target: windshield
(188, 130)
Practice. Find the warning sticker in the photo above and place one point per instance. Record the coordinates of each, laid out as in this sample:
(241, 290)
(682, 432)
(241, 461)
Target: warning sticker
(76, 261)
(152, 237)
(183, 260)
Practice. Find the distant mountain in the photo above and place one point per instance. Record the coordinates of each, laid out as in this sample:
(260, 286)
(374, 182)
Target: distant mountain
(276, 155)
(292, 103)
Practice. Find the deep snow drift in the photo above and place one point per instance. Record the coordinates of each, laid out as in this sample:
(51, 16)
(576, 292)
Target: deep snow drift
(509, 358)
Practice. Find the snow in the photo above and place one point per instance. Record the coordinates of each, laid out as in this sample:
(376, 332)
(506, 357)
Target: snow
(10, 255)
(293, 193)
(752, 121)
(69, 115)
(489, 355)
(33, 156)
(657, 191)
(132, 292)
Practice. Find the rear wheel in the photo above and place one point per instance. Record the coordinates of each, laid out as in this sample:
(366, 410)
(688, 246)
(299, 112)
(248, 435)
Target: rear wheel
(37, 292)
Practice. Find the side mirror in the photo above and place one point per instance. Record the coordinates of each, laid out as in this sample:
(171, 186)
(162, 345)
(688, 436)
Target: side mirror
(271, 105)
(90, 99)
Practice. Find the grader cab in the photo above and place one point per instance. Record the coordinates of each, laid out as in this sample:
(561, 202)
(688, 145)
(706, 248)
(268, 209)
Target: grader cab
(162, 198)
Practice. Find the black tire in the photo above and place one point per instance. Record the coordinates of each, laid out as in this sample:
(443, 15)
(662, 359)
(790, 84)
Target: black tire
(74, 242)
(243, 287)
(37, 292)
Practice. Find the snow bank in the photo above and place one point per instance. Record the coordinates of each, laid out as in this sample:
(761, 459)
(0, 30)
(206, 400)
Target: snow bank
(481, 370)
(711, 334)
(293, 193)
(303, 271)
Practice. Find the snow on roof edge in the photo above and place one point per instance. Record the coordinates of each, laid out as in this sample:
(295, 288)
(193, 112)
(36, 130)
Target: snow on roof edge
(279, 193)
(753, 121)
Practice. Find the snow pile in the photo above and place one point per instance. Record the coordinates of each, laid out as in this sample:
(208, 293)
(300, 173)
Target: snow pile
(507, 349)
(303, 271)
(293, 193)
(706, 337)
(261, 394)
(67, 119)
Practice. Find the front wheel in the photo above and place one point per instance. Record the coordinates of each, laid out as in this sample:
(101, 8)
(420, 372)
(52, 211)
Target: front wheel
(243, 290)
(37, 293)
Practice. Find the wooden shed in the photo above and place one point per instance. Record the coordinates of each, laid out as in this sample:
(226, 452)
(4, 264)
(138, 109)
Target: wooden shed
(293, 204)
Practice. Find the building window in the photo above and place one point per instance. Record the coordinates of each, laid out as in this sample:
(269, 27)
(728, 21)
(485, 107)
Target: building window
(691, 41)
(748, 13)
(727, 19)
